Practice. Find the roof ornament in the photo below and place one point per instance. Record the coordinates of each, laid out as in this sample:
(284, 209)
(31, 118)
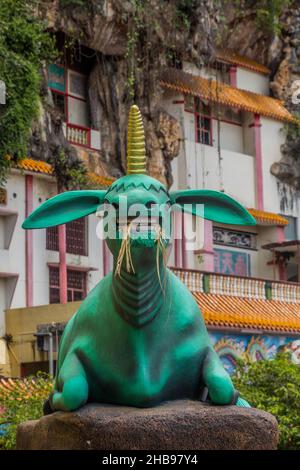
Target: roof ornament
(136, 148)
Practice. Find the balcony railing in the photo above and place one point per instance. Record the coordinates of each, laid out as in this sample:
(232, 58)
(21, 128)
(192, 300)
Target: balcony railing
(250, 288)
(78, 135)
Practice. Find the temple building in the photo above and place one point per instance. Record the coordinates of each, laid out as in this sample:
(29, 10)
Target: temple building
(245, 279)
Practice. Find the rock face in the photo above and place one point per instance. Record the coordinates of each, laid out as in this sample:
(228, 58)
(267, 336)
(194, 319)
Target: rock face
(281, 53)
(128, 42)
(175, 425)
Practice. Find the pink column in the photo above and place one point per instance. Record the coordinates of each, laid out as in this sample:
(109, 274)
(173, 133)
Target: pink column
(29, 241)
(281, 267)
(258, 162)
(63, 285)
(233, 75)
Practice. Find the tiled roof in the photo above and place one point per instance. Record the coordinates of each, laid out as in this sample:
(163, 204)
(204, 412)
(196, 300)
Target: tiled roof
(217, 92)
(240, 302)
(268, 218)
(224, 310)
(37, 166)
(100, 180)
(229, 56)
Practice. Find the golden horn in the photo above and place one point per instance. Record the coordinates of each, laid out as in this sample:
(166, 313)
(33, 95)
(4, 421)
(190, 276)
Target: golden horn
(136, 149)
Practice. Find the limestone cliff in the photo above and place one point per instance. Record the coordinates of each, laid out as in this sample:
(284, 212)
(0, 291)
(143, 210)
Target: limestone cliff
(281, 53)
(132, 41)
(129, 39)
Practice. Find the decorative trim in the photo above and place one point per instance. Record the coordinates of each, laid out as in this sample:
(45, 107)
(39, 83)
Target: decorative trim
(234, 238)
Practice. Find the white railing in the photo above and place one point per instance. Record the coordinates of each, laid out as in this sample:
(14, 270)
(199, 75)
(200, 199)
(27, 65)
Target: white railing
(250, 288)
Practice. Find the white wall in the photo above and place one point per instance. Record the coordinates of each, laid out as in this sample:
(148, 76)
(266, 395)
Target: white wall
(15, 255)
(231, 136)
(252, 81)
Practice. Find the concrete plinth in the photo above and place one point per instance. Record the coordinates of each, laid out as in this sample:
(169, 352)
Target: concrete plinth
(178, 425)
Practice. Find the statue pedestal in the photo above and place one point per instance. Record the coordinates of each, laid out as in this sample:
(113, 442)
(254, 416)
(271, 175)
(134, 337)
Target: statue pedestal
(177, 425)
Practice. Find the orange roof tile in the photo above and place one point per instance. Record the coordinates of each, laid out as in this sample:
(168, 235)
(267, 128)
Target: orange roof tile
(35, 165)
(224, 310)
(100, 180)
(217, 92)
(231, 57)
(268, 218)
(38, 166)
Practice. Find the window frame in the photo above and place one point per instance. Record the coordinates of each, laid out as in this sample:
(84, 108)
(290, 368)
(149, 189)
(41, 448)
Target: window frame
(70, 126)
(70, 290)
(52, 242)
(198, 116)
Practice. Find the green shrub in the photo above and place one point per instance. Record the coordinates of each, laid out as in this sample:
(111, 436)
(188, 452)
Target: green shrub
(274, 386)
(21, 400)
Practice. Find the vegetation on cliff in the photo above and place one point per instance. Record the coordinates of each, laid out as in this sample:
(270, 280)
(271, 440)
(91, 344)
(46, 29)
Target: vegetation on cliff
(24, 46)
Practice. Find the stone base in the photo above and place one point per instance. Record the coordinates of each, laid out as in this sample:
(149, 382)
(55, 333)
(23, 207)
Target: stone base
(178, 425)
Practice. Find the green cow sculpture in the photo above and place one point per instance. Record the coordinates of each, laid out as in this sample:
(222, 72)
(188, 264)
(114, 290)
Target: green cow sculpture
(138, 338)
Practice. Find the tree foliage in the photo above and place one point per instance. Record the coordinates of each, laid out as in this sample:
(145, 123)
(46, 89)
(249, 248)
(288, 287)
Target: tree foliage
(274, 386)
(21, 400)
(24, 46)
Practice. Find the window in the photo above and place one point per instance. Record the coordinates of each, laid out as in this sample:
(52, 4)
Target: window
(291, 229)
(69, 95)
(227, 114)
(203, 119)
(76, 285)
(76, 237)
(205, 113)
(203, 130)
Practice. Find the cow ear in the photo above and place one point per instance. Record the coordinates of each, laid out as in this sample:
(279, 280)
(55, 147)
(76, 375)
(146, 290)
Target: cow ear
(64, 208)
(212, 205)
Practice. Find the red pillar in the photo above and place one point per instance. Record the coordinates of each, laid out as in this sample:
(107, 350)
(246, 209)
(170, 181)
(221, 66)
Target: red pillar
(183, 244)
(63, 289)
(29, 241)
(177, 238)
(258, 163)
(233, 75)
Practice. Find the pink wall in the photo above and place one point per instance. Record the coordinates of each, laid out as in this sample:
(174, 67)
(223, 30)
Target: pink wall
(281, 267)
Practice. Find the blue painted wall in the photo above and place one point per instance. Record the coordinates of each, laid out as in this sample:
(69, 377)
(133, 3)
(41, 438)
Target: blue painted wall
(255, 347)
